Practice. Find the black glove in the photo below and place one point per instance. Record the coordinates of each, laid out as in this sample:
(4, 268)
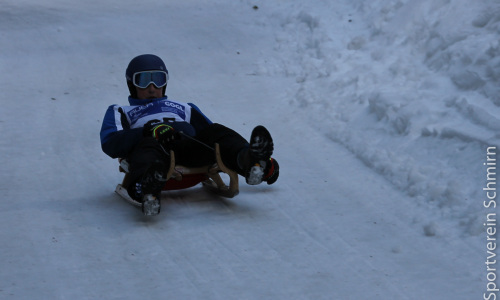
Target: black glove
(148, 127)
(163, 133)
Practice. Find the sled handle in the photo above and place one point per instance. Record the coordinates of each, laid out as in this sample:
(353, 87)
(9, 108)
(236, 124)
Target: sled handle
(222, 189)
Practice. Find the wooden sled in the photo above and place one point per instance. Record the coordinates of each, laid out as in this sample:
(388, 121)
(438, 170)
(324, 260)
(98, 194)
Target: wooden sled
(180, 177)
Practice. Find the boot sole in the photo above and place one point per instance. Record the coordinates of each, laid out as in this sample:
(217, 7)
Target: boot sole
(151, 205)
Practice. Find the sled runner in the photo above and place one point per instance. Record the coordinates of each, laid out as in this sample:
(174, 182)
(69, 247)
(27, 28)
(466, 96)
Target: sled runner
(180, 177)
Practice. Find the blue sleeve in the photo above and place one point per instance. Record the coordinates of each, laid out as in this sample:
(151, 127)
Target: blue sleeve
(198, 119)
(111, 123)
(117, 139)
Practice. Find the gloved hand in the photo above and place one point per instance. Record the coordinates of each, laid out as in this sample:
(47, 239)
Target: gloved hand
(163, 133)
(148, 127)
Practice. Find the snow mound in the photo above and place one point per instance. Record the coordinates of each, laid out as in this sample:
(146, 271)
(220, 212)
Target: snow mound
(411, 94)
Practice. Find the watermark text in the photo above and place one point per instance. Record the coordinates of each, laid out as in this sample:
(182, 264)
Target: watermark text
(490, 203)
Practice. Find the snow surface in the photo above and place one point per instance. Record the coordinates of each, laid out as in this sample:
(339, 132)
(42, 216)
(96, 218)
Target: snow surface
(381, 112)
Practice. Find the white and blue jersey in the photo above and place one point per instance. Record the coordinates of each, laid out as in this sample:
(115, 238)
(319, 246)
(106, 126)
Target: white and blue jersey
(122, 125)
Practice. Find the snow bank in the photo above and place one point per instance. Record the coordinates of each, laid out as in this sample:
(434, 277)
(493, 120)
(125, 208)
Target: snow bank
(414, 94)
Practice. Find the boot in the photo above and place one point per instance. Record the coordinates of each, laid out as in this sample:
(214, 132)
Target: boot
(259, 164)
(148, 189)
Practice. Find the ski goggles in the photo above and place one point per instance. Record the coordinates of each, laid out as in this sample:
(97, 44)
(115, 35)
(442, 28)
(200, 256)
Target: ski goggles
(144, 79)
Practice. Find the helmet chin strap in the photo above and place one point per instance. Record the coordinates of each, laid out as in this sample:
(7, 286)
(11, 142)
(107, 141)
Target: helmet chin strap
(131, 88)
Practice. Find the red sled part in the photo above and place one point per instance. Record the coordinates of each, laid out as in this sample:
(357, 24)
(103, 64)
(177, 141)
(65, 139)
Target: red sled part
(188, 180)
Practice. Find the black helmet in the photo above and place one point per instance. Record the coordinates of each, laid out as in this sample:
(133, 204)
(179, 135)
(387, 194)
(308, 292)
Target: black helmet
(144, 62)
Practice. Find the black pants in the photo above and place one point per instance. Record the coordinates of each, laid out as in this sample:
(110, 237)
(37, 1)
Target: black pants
(188, 152)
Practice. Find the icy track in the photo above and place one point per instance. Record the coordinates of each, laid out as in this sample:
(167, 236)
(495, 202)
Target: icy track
(383, 114)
